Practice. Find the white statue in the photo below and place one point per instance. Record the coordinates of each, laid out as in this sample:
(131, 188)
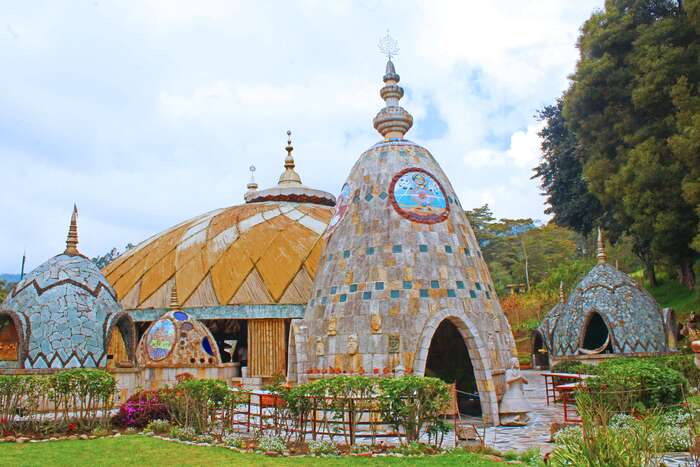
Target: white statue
(514, 407)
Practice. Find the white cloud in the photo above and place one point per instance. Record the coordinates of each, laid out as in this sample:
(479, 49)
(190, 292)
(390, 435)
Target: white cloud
(146, 113)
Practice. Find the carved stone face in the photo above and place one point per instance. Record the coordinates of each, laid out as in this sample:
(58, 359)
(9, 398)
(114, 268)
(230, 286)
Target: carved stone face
(332, 326)
(375, 323)
(320, 346)
(352, 346)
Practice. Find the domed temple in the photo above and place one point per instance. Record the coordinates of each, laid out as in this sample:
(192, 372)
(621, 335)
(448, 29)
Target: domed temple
(244, 271)
(401, 285)
(386, 280)
(64, 314)
(607, 314)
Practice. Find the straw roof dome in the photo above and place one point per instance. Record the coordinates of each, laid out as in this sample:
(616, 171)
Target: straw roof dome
(256, 253)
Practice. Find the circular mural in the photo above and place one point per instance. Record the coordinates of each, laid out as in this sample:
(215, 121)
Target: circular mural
(161, 339)
(341, 207)
(417, 196)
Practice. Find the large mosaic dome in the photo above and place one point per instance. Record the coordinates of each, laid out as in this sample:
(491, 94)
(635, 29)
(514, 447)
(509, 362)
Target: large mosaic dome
(607, 313)
(401, 263)
(64, 312)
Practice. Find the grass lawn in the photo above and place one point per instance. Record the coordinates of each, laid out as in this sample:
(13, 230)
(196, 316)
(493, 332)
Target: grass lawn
(146, 451)
(671, 293)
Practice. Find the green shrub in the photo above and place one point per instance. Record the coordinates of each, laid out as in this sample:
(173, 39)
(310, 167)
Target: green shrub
(233, 440)
(183, 433)
(412, 403)
(636, 384)
(573, 366)
(322, 448)
(158, 427)
(193, 402)
(683, 363)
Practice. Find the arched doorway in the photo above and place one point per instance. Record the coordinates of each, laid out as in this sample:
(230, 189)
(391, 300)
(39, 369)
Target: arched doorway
(10, 342)
(540, 355)
(121, 345)
(596, 336)
(449, 360)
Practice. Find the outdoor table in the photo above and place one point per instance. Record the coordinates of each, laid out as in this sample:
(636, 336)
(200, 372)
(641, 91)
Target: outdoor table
(549, 380)
(566, 390)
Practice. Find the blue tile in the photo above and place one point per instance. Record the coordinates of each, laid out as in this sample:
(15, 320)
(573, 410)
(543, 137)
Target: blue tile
(353, 288)
(379, 285)
(423, 293)
(370, 250)
(451, 293)
(472, 294)
(334, 289)
(366, 295)
(434, 284)
(346, 254)
(383, 195)
(478, 286)
(466, 252)
(396, 249)
(407, 284)
(448, 249)
(343, 297)
(423, 248)
(395, 293)
(460, 284)
(368, 197)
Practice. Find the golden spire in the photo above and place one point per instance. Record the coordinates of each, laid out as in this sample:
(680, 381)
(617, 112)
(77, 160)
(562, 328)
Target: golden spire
(72, 240)
(601, 255)
(173, 297)
(289, 177)
(561, 291)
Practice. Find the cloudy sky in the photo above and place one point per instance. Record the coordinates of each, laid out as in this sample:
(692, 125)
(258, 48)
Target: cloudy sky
(146, 113)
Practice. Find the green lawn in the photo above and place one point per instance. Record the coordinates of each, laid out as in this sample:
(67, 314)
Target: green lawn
(146, 451)
(671, 293)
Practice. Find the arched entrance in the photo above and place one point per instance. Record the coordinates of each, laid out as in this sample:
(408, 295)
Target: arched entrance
(448, 359)
(121, 345)
(9, 342)
(478, 360)
(540, 355)
(596, 336)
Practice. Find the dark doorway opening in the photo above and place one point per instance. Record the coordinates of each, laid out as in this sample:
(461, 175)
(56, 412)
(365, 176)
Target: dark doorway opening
(448, 359)
(228, 329)
(597, 336)
(9, 342)
(539, 351)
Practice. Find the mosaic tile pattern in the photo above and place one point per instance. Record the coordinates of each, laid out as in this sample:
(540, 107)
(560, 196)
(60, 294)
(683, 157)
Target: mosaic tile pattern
(257, 253)
(65, 307)
(633, 317)
(419, 266)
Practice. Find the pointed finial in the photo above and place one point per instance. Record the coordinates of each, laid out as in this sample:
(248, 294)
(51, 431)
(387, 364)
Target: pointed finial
(174, 304)
(561, 291)
(72, 240)
(252, 184)
(289, 176)
(393, 121)
(601, 255)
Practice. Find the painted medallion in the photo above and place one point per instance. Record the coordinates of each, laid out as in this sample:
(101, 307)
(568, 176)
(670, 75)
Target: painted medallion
(417, 196)
(161, 338)
(341, 208)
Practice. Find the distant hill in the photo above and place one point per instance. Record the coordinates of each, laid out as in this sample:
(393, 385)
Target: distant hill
(10, 278)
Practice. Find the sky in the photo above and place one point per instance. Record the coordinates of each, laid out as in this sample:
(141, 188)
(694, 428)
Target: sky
(148, 112)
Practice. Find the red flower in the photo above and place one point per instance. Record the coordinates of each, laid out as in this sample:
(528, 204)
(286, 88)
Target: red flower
(376, 371)
(386, 370)
(72, 427)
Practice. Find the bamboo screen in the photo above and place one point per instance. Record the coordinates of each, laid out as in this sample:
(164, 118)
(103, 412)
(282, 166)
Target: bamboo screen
(266, 347)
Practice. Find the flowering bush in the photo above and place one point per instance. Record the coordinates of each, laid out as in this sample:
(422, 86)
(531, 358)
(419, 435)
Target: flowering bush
(322, 447)
(272, 444)
(140, 409)
(158, 427)
(233, 440)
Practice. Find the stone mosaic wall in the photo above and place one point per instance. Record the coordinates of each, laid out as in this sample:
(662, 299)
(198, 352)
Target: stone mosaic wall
(63, 308)
(396, 264)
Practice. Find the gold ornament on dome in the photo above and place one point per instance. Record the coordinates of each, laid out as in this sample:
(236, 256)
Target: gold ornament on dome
(332, 326)
(375, 322)
(352, 345)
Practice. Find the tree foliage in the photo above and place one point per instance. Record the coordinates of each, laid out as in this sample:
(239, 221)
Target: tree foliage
(630, 121)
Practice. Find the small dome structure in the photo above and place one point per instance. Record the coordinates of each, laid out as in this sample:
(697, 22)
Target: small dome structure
(607, 313)
(66, 314)
(177, 340)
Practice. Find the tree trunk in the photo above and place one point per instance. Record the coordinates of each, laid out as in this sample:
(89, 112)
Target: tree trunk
(687, 275)
(650, 273)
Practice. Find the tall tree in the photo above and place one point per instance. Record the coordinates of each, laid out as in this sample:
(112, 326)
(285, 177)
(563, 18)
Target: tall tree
(561, 174)
(620, 107)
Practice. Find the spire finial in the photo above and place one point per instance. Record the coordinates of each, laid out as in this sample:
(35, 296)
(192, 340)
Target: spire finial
(392, 121)
(174, 303)
(289, 177)
(561, 291)
(252, 184)
(601, 255)
(72, 240)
